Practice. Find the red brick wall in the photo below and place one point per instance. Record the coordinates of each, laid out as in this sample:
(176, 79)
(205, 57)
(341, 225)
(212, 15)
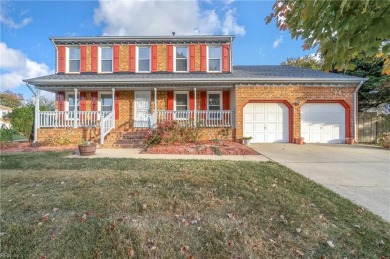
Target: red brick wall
(291, 94)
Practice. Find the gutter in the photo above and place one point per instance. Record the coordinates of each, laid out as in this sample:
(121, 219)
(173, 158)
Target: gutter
(55, 56)
(355, 108)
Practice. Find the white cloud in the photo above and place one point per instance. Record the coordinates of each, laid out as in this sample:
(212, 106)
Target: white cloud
(230, 25)
(15, 66)
(278, 41)
(9, 21)
(159, 17)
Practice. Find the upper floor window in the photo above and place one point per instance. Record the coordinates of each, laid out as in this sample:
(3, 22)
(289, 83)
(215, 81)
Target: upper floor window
(181, 59)
(106, 59)
(214, 58)
(143, 59)
(74, 59)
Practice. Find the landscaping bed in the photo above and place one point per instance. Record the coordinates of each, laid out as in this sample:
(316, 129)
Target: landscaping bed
(202, 148)
(17, 147)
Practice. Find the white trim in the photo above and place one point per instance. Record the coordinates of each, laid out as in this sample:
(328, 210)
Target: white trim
(221, 101)
(149, 96)
(136, 59)
(174, 102)
(100, 59)
(207, 59)
(174, 59)
(67, 56)
(67, 100)
(100, 98)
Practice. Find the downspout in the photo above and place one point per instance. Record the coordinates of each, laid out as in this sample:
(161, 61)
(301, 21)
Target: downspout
(55, 56)
(355, 109)
(32, 91)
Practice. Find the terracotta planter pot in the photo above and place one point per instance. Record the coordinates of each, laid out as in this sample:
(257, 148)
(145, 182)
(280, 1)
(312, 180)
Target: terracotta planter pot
(349, 141)
(87, 150)
(299, 141)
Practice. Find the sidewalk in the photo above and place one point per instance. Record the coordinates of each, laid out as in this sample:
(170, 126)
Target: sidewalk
(135, 153)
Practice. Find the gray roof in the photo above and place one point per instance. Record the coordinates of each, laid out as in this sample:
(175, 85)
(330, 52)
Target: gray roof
(143, 39)
(240, 74)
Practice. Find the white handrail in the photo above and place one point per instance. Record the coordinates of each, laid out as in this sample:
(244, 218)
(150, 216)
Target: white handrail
(66, 119)
(106, 125)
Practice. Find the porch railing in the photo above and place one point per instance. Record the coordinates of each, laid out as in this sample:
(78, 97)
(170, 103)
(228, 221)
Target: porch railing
(66, 119)
(106, 125)
(208, 119)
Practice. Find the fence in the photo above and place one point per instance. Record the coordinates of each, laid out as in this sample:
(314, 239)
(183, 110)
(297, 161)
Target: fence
(371, 125)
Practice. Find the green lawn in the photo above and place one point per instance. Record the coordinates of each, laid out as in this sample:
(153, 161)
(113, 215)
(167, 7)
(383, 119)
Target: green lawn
(117, 208)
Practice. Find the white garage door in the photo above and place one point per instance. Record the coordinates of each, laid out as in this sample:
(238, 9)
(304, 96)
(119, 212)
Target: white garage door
(323, 123)
(266, 122)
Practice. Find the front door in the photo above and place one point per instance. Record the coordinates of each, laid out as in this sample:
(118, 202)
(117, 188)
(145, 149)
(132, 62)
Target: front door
(141, 109)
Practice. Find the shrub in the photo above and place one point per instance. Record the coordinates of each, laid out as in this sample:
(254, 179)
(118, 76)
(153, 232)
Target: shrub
(22, 119)
(384, 140)
(170, 132)
(6, 136)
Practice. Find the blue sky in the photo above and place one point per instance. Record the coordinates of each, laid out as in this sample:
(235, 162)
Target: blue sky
(26, 25)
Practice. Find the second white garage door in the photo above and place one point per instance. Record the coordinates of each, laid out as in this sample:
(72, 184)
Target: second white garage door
(266, 122)
(323, 123)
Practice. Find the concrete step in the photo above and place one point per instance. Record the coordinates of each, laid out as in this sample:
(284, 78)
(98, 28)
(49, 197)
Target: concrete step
(117, 146)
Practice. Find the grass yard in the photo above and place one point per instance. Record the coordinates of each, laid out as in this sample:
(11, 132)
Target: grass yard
(56, 207)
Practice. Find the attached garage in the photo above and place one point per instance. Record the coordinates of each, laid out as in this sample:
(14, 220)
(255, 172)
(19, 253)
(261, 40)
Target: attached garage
(266, 122)
(323, 123)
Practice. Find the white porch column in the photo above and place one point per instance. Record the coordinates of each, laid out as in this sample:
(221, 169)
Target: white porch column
(155, 100)
(195, 115)
(75, 115)
(113, 101)
(36, 121)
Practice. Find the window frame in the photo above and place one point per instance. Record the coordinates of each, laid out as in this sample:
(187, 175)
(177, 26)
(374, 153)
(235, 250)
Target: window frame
(208, 58)
(66, 108)
(188, 103)
(216, 116)
(68, 59)
(100, 100)
(138, 59)
(175, 58)
(101, 59)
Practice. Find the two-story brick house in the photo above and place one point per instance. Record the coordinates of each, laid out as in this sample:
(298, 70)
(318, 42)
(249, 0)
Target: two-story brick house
(128, 84)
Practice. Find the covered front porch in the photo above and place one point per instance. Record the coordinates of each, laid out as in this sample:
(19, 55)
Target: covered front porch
(123, 109)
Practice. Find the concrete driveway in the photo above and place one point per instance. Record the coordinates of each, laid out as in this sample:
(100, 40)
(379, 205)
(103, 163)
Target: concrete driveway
(360, 173)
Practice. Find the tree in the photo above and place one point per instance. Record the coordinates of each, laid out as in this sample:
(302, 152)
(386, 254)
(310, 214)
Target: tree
(343, 30)
(44, 103)
(22, 120)
(305, 62)
(10, 99)
(376, 90)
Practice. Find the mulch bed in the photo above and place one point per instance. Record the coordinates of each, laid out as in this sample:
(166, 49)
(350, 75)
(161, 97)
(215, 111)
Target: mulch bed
(202, 148)
(27, 147)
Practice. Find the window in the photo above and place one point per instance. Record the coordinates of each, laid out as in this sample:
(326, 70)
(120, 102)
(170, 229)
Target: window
(74, 59)
(214, 58)
(143, 59)
(106, 102)
(70, 105)
(106, 59)
(181, 105)
(181, 59)
(214, 103)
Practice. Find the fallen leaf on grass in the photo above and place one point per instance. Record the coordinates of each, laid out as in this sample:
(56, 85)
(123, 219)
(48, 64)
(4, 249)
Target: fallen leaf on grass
(232, 216)
(298, 230)
(299, 252)
(46, 217)
(330, 243)
(130, 252)
(183, 249)
(55, 209)
(112, 226)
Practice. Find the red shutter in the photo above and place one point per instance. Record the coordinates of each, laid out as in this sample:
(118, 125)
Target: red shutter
(225, 58)
(82, 101)
(192, 58)
(170, 100)
(94, 55)
(203, 55)
(116, 58)
(83, 61)
(61, 59)
(170, 58)
(192, 102)
(132, 58)
(94, 101)
(226, 100)
(154, 58)
(61, 101)
(203, 100)
(116, 106)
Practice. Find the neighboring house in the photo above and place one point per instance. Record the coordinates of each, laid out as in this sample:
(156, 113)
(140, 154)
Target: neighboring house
(5, 122)
(130, 83)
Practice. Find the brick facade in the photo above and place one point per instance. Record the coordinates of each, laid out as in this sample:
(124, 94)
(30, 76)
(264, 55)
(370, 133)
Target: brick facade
(295, 96)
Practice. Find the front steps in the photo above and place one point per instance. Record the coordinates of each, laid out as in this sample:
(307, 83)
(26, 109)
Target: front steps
(125, 139)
